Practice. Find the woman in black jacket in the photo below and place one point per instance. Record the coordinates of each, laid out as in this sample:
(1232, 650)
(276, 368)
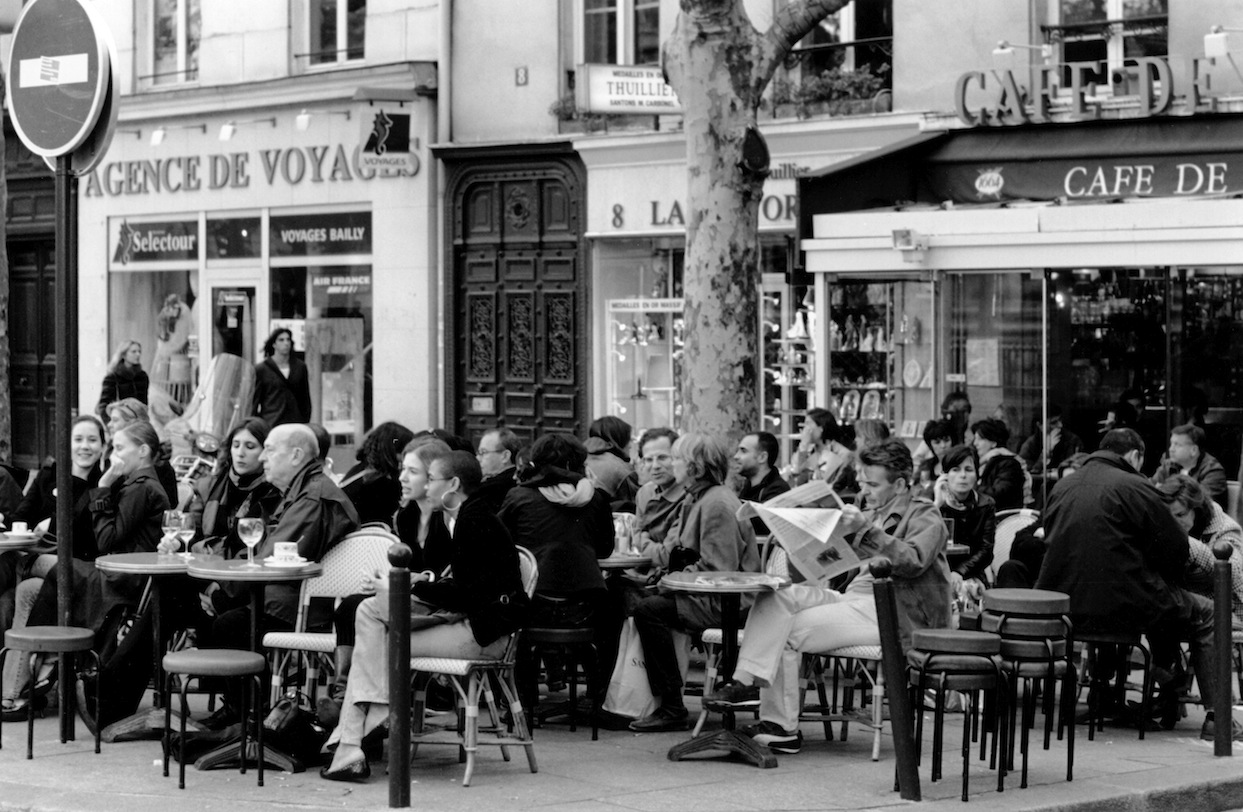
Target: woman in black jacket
(1002, 475)
(282, 389)
(372, 484)
(972, 515)
(125, 378)
(481, 602)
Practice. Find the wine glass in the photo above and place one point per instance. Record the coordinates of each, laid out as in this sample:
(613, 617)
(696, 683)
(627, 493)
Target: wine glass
(171, 523)
(186, 532)
(250, 531)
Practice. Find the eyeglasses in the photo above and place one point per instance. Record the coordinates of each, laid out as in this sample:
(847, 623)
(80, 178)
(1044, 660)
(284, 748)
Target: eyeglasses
(483, 451)
(439, 478)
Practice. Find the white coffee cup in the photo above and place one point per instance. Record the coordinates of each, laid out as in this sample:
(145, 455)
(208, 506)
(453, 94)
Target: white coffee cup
(286, 550)
(20, 527)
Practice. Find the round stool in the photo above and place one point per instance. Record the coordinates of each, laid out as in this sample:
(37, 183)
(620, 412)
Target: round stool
(63, 640)
(195, 663)
(1121, 645)
(568, 641)
(955, 660)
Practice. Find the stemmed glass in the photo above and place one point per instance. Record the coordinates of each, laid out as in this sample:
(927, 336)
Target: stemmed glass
(171, 523)
(189, 526)
(250, 531)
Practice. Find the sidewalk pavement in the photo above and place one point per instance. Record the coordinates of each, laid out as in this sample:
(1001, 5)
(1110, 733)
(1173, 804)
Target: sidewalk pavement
(626, 771)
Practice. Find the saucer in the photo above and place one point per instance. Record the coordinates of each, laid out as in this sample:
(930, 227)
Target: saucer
(20, 536)
(286, 563)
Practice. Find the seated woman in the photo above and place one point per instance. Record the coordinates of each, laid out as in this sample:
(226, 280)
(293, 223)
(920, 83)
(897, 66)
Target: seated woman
(560, 517)
(971, 516)
(38, 509)
(707, 537)
(128, 411)
(484, 567)
(938, 437)
(824, 453)
(1206, 524)
(1002, 475)
(372, 484)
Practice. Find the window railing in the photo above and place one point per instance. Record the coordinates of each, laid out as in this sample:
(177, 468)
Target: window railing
(839, 78)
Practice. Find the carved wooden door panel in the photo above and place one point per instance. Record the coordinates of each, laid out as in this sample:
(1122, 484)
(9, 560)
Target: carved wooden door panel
(520, 296)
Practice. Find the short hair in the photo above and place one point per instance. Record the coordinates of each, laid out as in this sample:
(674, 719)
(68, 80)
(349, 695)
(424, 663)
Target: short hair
(656, 434)
(118, 357)
(464, 466)
(935, 430)
(453, 441)
(707, 457)
(428, 451)
(322, 437)
(614, 429)
(1192, 432)
(509, 441)
(870, 431)
(556, 450)
(1184, 489)
(954, 397)
(958, 454)
(299, 435)
(131, 410)
(893, 456)
(1122, 441)
(143, 433)
(992, 429)
(258, 428)
(766, 441)
(95, 421)
(381, 446)
(269, 346)
(830, 432)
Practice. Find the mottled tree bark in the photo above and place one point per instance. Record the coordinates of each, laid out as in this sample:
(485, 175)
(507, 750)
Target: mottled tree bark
(719, 65)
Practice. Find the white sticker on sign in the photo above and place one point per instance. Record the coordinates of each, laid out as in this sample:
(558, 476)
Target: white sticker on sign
(51, 71)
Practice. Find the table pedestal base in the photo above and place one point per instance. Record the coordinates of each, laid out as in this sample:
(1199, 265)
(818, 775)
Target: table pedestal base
(229, 756)
(725, 742)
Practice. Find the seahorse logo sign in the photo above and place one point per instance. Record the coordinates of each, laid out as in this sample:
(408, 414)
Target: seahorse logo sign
(381, 127)
(387, 144)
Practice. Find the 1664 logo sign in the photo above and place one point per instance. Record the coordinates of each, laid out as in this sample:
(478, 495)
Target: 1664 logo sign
(989, 182)
(386, 141)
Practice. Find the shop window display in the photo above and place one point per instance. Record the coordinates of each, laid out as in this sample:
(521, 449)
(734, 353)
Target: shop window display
(158, 309)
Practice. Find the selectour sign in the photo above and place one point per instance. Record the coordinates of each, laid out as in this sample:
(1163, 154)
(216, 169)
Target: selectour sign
(624, 89)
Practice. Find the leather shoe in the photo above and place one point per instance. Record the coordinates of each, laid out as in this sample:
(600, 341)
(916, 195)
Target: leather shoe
(662, 720)
(20, 712)
(357, 772)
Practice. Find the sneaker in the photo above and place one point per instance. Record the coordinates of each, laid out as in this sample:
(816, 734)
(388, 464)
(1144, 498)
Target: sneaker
(1209, 731)
(734, 695)
(774, 737)
(661, 720)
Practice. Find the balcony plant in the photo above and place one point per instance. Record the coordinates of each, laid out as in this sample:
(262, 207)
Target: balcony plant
(834, 92)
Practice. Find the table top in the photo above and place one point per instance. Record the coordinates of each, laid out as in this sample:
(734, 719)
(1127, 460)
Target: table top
(723, 582)
(237, 570)
(623, 562)
(149, 563)
(957, 549)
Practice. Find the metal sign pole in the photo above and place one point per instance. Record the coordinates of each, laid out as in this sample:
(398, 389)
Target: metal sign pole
(66, 363)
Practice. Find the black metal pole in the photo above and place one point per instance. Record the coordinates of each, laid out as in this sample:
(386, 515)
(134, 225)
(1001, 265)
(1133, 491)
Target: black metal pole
(901, 720)
(1224, 649)
(66, 360)
(399, 677)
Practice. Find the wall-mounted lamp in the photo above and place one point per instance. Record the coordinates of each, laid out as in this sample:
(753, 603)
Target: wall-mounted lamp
(303, 120)
(910, 243)
(160, 133)
(1003, 54)
(157, 136)
(226, 131)
(1217, 46)
(229, 128)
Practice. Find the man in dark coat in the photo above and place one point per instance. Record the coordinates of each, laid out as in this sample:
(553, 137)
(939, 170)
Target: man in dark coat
(757, 461)
(497, 455)
(1116, 549)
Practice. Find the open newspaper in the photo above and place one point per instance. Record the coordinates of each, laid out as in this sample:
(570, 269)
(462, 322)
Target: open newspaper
(809, 535)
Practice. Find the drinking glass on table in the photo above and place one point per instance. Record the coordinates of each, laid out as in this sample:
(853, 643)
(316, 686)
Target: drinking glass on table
(171, 524)
(250, 531)
(189, 526)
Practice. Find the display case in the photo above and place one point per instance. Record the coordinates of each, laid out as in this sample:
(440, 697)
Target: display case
(645, 361)
(788, 341)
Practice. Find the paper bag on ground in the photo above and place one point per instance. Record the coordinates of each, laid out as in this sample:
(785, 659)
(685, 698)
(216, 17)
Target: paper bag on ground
(809, 537)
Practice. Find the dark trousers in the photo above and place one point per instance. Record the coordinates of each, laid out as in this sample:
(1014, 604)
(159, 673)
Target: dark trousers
(1192, 622)
(655, 619)
(343, 618)
(595, 609)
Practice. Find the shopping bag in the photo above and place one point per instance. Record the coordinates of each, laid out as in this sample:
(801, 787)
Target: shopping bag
(629, 693)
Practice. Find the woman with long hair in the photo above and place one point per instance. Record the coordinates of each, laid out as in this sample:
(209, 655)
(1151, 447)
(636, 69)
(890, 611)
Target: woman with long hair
(824, 452)
(282, 388)
(372, 484)
(125, 377)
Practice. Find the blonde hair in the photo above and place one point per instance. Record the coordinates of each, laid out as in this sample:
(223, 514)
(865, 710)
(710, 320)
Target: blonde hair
(118, 357)
(707, 457)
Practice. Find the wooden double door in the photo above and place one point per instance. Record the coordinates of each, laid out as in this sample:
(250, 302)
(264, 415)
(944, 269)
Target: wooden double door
(517, 298)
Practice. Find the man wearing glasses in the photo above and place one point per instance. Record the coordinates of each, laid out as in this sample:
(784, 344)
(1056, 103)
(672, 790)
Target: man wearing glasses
(656, 503)
(497, 453)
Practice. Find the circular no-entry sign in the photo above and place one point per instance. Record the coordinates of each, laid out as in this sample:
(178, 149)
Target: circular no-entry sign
(58, 75)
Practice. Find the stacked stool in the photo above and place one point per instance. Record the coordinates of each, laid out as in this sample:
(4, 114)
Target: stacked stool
(944, 660)
(63, 640)
(1035, 631)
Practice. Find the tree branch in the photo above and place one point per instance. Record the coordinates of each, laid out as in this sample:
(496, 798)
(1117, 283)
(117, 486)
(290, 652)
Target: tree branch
(791, 24)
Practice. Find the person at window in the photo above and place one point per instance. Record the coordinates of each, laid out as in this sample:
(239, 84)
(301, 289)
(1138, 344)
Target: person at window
(824, 452)
(282, 389)
(1060, 442)
(125, 378)
(1187, 455)
(1002, 475)
(127, 412)
(756, 461)
(1120, 555)
(1206, 524)
(972, 516)
(657, 502)
(891, 522)
(484, 569)
(556, 513)
(707, 537)
(22, 574)
(956, 408)
(498, 455)
(1119, 415)
(938, 438)
(372, 484)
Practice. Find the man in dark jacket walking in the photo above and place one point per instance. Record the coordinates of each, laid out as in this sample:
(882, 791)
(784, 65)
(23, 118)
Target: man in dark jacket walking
(1116, 549)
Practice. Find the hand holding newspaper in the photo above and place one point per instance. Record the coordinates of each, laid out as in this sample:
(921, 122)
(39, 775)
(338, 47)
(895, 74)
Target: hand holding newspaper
(809, 535)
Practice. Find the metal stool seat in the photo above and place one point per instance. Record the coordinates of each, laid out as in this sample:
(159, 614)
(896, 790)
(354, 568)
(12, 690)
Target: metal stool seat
(65, 640)
(534, 638)
(1029, 602)
(955, 641)
(196, 663)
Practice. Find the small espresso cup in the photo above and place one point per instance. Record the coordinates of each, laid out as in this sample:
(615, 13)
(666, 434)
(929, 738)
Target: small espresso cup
(20, 527)
(286, 550)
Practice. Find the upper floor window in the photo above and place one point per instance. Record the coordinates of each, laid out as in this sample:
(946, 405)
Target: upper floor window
(620, 32)
(859, 35)
(175, 31)
(1109, 32)
(337, 29)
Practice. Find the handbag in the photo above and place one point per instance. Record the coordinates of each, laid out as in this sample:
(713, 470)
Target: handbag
(629, 692)
(291, 726)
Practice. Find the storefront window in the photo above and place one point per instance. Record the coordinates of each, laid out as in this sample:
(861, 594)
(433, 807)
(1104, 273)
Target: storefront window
(338, 29)
(175, 42)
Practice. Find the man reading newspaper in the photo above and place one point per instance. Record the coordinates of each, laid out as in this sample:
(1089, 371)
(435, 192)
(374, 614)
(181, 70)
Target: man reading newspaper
(890, 522)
